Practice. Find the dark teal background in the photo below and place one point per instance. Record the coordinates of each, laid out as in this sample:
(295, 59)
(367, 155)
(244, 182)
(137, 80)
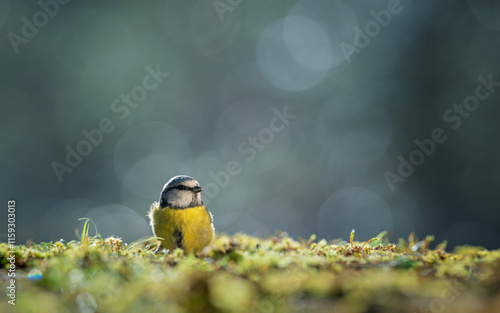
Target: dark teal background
(270, 105)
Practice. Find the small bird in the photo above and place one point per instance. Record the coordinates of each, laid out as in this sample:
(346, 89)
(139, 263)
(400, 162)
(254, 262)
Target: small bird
(180, 218)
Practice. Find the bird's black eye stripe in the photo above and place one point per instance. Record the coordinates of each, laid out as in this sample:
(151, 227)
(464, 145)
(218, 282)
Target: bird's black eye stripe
(180, 187)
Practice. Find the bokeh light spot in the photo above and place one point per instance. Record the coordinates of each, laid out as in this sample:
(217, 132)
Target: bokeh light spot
(338, 21)
(157, 275)
(307, 43)
(278, 50)
(34, 275)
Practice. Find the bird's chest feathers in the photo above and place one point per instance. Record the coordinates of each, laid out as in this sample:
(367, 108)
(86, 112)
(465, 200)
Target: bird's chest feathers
(183, 218)
(192, 226)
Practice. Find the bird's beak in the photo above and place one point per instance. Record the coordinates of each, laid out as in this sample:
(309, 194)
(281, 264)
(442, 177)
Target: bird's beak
(197, 189)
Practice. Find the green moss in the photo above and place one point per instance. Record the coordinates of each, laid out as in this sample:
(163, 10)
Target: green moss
(241, 273)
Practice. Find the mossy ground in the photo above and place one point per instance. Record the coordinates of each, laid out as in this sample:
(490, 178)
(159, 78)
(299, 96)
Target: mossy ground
(241, 273)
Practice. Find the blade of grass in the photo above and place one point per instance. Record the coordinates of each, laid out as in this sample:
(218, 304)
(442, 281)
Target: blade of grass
(136, 243)
(85, 232)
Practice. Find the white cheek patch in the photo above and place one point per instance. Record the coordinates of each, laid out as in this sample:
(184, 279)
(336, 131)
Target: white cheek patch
(180, 198)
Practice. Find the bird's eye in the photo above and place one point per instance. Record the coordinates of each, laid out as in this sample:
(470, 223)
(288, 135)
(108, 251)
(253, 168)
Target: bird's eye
(180, 187)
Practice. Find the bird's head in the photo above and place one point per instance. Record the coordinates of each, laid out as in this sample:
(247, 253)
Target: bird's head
(181, 192)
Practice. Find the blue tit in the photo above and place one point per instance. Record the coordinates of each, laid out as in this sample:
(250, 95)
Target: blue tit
(180, 218)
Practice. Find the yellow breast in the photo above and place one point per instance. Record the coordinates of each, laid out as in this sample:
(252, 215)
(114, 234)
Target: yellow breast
(190, 229)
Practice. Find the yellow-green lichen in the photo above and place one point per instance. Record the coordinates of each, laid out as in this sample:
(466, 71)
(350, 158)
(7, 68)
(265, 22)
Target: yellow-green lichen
(242, 273)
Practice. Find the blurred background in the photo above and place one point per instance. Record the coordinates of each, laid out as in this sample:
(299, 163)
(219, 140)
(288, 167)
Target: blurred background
(294, 115)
